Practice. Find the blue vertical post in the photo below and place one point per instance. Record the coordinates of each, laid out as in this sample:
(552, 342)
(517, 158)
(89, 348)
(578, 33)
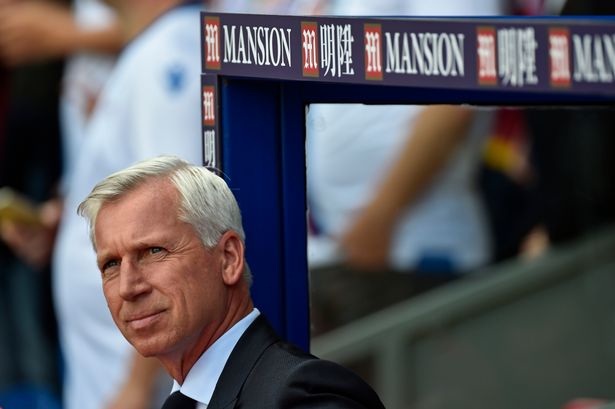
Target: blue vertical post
(263, 168)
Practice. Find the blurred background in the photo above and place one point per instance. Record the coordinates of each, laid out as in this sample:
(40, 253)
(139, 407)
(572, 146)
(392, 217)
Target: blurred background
(534, 324)
(458, 263)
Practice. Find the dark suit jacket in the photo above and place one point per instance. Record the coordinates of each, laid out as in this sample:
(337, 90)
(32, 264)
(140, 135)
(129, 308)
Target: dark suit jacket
(263, 372)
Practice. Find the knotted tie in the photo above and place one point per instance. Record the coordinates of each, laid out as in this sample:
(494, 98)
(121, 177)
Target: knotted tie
(177, 400)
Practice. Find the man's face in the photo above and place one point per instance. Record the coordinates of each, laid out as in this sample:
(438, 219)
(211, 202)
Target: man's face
(163, 287)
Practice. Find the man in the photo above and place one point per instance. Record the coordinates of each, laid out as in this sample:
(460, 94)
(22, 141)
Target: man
(170, 247)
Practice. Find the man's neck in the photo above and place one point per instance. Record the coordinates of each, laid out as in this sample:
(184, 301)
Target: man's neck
(178, 365)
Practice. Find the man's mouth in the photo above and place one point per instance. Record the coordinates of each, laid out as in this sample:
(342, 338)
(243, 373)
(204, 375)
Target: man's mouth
(143, 321)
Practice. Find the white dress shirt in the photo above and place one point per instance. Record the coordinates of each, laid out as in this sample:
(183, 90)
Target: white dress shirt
(204, 374)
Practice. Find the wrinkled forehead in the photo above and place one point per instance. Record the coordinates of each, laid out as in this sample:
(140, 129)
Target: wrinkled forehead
(154, 201)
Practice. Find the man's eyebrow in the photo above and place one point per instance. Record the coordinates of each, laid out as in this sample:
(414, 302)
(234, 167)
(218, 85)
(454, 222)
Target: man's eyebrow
(105, 255)
(148, 241)
(102, 258)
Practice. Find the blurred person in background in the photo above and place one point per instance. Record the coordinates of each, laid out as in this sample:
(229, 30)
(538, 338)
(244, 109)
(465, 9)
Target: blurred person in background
(545, 185)
(149, 105)
(394, 210)
(506, 176)
(29, 164)
(506, 179)
(57, 59)
(86, 34)
(572, 155)
(35, 38)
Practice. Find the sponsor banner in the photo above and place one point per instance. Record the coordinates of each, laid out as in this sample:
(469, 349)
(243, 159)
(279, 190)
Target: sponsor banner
(574, 56)
(210, 123)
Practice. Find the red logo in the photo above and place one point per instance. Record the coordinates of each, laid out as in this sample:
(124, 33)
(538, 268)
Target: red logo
(486, 46)
(209, 98)
(309, 43)
(373, 51)
(212, 43)
(559, 57)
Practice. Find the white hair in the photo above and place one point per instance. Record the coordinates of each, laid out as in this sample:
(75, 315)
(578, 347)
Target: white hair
(206, 201)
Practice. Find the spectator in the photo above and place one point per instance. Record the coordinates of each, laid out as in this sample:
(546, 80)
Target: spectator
(35, 36)
(88, 35)
(397, 214)
(29, 358)
(148, 106)
(574, 192)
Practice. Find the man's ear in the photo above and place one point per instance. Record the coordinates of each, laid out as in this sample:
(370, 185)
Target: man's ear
(232, 252)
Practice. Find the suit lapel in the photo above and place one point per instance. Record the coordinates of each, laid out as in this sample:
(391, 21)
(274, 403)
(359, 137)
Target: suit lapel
(257, 338)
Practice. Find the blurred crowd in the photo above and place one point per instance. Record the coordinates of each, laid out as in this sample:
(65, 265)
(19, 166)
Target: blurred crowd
(400, 201)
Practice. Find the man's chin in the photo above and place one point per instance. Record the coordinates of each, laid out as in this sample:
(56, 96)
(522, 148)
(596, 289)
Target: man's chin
(148, 352)
(147, 347)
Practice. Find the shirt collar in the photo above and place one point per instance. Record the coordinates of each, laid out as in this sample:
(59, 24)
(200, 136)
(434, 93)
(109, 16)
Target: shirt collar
(204, 374)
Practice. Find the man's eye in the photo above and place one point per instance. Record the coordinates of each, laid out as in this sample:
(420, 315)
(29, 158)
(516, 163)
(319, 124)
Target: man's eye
(110, 264)
(155, 250)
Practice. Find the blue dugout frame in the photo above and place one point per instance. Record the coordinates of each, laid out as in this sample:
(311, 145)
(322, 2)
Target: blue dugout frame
(260, 131)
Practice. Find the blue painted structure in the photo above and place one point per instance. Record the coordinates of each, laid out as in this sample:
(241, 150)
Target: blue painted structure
(262, 144)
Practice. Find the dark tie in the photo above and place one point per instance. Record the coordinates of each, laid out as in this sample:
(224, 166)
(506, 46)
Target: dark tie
(179, 401)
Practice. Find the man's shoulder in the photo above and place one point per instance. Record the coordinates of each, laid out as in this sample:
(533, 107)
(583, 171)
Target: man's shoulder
(286, 376)
(289, 361)
(266, 372)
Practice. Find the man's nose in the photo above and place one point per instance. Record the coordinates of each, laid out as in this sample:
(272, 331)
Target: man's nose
(133, 282)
